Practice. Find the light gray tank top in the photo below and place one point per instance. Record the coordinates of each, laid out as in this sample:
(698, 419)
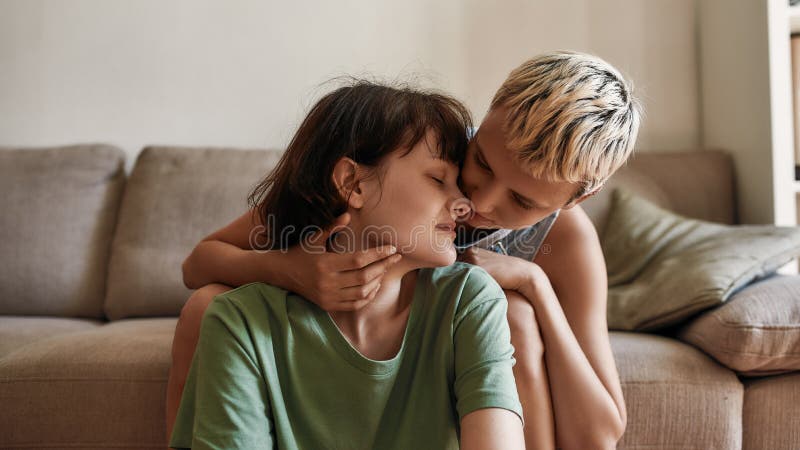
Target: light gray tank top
(523, 243)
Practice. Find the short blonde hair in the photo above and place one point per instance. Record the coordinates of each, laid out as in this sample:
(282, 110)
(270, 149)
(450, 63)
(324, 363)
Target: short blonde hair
(571, 117)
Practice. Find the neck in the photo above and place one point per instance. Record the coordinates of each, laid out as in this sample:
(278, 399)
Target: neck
(390, 300)
(376, 330)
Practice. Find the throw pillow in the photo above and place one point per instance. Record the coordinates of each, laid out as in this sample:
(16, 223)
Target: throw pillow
(757, 332)
(664, 268)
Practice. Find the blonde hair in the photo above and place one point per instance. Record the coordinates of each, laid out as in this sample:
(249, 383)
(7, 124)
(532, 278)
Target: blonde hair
(571, 117)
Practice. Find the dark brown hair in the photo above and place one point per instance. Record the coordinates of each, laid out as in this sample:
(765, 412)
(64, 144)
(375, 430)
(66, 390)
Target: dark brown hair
(364, 121)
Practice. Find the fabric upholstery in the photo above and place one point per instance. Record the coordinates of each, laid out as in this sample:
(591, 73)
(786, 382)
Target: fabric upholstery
(175, 197)
(16, 331)
(59, 210)
(101, 388)
(771, 415)
(676, 397)
(696, 183)
(663, 268)
(757, 332)
(117, 374)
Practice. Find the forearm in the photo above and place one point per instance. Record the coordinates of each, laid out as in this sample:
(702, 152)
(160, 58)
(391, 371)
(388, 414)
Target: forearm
(530, 374)
(219, 262)
(585, 413)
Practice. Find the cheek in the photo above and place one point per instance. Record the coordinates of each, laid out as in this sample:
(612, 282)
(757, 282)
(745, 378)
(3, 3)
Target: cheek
(527, 218)
(469, 176)
(408, 211)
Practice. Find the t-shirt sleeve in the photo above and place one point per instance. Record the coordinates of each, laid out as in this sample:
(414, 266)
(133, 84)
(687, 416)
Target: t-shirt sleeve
(483, 353)
(224, 402)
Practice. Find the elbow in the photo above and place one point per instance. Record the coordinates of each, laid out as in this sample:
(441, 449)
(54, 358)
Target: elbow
(602, 439)
(595, 443)
(186, 267)
(608, 436)
(612, 436)
(602, 445)
(619, 424)
(620, 431)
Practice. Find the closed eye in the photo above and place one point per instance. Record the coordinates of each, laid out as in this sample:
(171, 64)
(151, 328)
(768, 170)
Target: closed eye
(481, 162)
(521, 203)
(438, 180)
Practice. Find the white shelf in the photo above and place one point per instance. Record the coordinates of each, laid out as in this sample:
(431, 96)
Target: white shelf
(751, 67)
(794, 19)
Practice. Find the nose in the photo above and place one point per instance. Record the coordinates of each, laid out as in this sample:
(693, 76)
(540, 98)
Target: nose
(460, 208)
(485, 197)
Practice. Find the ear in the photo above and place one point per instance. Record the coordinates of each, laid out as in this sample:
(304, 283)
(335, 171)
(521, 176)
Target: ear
(583, 197)
(346, 178)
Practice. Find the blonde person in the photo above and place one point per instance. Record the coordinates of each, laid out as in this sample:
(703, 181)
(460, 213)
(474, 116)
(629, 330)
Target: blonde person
(427, 364)
(559, 126)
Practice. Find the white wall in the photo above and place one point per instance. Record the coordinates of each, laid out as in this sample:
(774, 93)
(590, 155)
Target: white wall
(243, 73)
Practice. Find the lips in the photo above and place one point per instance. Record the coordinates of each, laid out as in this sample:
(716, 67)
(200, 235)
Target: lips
(447, 226)
(477, 218)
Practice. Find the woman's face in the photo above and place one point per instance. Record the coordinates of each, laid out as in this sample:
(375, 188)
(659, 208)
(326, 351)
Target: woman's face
(503, 194)
(414, 204)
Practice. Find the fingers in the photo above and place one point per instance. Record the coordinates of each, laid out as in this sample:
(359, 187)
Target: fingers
(362, 259)
(359, 287)
(354, 305)
(319, 237)
(359, 277)
(362, 292)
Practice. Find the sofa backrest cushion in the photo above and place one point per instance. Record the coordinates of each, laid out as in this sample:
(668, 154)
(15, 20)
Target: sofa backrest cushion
(697, 184)
(59, 208)
(175, 196)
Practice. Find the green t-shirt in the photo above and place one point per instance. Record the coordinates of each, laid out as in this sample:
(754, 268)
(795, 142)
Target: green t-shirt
(272, 370)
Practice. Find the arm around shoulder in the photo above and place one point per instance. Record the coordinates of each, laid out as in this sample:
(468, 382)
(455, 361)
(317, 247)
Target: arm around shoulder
(226, 256)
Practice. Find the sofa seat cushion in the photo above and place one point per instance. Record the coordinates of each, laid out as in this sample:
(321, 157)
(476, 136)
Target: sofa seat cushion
(18, 331)
(59, 210)
(771, 416)
(757, 332)
(175, 196)
(676, 396)
(101, 388)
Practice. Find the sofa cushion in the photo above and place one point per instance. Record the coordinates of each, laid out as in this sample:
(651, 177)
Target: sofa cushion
(663, 268)
(771, 416)
(102, 388)
(17, 332)
(757, 332)
(59, 209)
(696, 183)
(175, 196)
(675, 396)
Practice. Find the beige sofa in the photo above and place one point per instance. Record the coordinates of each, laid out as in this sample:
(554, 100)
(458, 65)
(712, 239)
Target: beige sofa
(91, 289)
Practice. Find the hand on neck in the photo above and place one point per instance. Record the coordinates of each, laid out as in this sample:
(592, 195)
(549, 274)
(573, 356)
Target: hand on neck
(377, 329)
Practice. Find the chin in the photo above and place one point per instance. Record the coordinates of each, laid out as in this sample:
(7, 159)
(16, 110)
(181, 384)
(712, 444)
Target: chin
(445, 258)
(440, 258)
(480, 224)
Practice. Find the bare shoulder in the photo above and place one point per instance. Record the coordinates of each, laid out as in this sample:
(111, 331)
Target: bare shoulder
(571, 241)
(576, 269)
